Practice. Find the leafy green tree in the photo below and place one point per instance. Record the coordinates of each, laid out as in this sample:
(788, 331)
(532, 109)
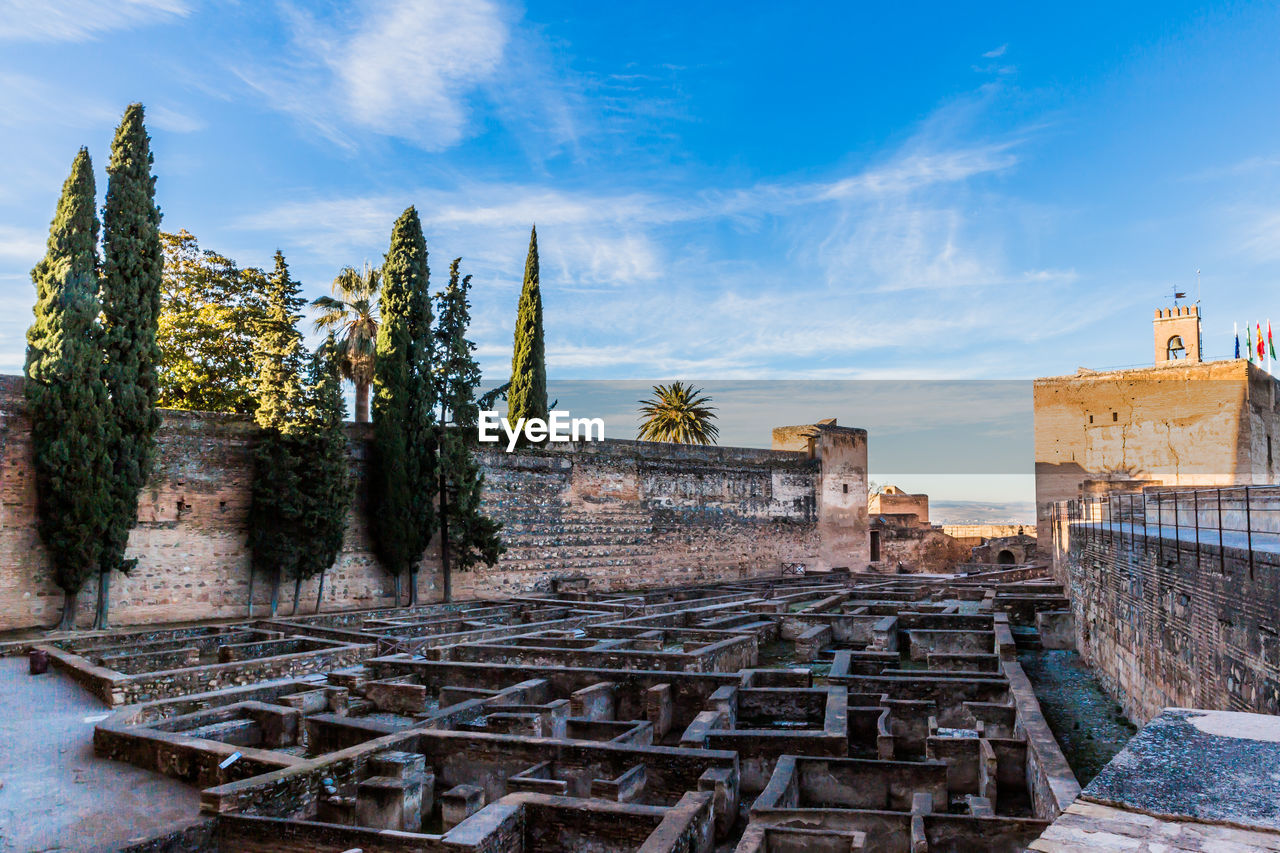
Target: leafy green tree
(352, 311)
(527, 396)
(132, 269)
(465, 531)
(678, 413)
(209, 311)
(326, 469)
(403, 469)
(66, 396)
(278, 503)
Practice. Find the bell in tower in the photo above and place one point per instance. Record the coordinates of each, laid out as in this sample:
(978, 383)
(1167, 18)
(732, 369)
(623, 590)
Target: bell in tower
(1177, 334)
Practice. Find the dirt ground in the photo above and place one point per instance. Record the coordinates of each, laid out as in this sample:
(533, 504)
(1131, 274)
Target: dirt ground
(54, 795)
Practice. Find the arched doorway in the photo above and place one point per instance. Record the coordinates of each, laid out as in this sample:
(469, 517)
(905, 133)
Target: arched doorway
(1005, 558)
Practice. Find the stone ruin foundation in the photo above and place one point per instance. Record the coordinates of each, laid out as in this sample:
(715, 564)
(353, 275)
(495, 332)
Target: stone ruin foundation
(821, 712)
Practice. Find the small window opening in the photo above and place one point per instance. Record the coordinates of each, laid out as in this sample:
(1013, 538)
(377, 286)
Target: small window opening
(1115, 416)
(846, 488)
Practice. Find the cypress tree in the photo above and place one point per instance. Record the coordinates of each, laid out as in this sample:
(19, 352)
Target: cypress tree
(527, 396)
(277, 495)
(465, 532)
(133, 264)
(326, 476)
(66, 396)
(403, 473)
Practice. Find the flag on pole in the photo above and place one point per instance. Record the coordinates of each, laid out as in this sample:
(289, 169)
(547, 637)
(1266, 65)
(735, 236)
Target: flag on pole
(1271, 345)
(1248, 343)
(1235, 330)
(1262, 347)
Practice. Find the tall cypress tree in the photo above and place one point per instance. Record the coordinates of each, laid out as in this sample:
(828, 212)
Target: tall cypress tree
(527, 396)
(466, 534)
(66, 396)
(403, 473)
(277, 495)
(133, 264)
(325, 475)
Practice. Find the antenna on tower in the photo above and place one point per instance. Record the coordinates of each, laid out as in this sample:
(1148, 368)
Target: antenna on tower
(1178, 294)
(1197, 286)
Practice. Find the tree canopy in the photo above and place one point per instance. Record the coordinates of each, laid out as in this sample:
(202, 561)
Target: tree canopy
(66, 394)
(209, 315)
(132, 270)
(527, 395)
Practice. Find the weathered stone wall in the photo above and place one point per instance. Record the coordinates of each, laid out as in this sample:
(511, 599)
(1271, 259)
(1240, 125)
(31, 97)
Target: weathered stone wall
(622, 513)
(1166, 624)
(918, 549)
(972, 535)
(1177, 424)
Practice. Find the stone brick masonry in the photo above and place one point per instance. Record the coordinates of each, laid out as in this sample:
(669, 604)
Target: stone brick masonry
(1167, 624)
(622, 513)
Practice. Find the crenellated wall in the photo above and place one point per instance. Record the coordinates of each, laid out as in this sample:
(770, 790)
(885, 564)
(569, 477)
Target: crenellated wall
(621, 513)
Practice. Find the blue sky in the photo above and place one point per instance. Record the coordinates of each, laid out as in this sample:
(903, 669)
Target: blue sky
(722, 191)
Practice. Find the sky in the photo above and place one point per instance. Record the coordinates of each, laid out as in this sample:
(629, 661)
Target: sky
(745, 191)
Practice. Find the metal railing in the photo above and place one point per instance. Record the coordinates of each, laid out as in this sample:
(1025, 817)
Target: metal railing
(1246, 518)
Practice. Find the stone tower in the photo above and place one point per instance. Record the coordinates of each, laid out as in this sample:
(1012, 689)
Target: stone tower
(1177, 333)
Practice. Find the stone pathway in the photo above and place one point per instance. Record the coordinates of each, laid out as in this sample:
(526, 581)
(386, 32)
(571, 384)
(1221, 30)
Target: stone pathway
(1089, 826)
(54, 795)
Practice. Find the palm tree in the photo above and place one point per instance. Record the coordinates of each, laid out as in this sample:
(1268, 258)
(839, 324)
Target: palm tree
(678, 413)
(352, 315)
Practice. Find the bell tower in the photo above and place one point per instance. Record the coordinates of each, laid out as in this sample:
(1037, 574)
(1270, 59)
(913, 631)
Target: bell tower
(1177, 333)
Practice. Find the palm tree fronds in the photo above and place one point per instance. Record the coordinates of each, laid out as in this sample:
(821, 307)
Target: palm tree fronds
(678, 413)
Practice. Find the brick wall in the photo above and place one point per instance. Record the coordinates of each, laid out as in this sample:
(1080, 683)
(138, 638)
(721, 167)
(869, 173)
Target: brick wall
(1166, 624)
(620, 512)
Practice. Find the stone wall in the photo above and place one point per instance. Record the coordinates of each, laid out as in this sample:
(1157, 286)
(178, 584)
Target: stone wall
(621, 513)
(1178, 424)
(1165, 623)
(972, 535)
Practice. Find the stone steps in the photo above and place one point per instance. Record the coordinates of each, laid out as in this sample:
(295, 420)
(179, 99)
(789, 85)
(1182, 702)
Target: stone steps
(519, 550)
(560, 566)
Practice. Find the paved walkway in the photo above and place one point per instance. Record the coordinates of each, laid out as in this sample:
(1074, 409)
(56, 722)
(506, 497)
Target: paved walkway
(1237, 539)
(54, 794)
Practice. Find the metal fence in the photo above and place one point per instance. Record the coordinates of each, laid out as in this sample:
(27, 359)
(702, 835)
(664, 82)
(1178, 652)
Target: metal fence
(1242, 517)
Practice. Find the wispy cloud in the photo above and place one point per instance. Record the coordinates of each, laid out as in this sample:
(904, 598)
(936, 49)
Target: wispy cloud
(174, 121)
(997, 52)
(79, 20)
(20, 246)
(705, 283)
(417, 70)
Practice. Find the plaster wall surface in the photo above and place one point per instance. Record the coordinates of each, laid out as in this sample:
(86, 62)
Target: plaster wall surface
(894, 501)
(1177, 424)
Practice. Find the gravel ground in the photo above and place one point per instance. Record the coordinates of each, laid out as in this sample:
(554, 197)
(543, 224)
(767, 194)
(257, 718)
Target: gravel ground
(1088, 723)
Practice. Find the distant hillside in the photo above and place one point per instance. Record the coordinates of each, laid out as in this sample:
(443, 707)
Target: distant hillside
(982, 512)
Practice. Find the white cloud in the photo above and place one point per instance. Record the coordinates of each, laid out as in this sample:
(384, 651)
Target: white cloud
(997, 52)
(403, 68)
(79, 20)
(1260, 237)
(20, 246)
(164, 118)
(779, 278)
